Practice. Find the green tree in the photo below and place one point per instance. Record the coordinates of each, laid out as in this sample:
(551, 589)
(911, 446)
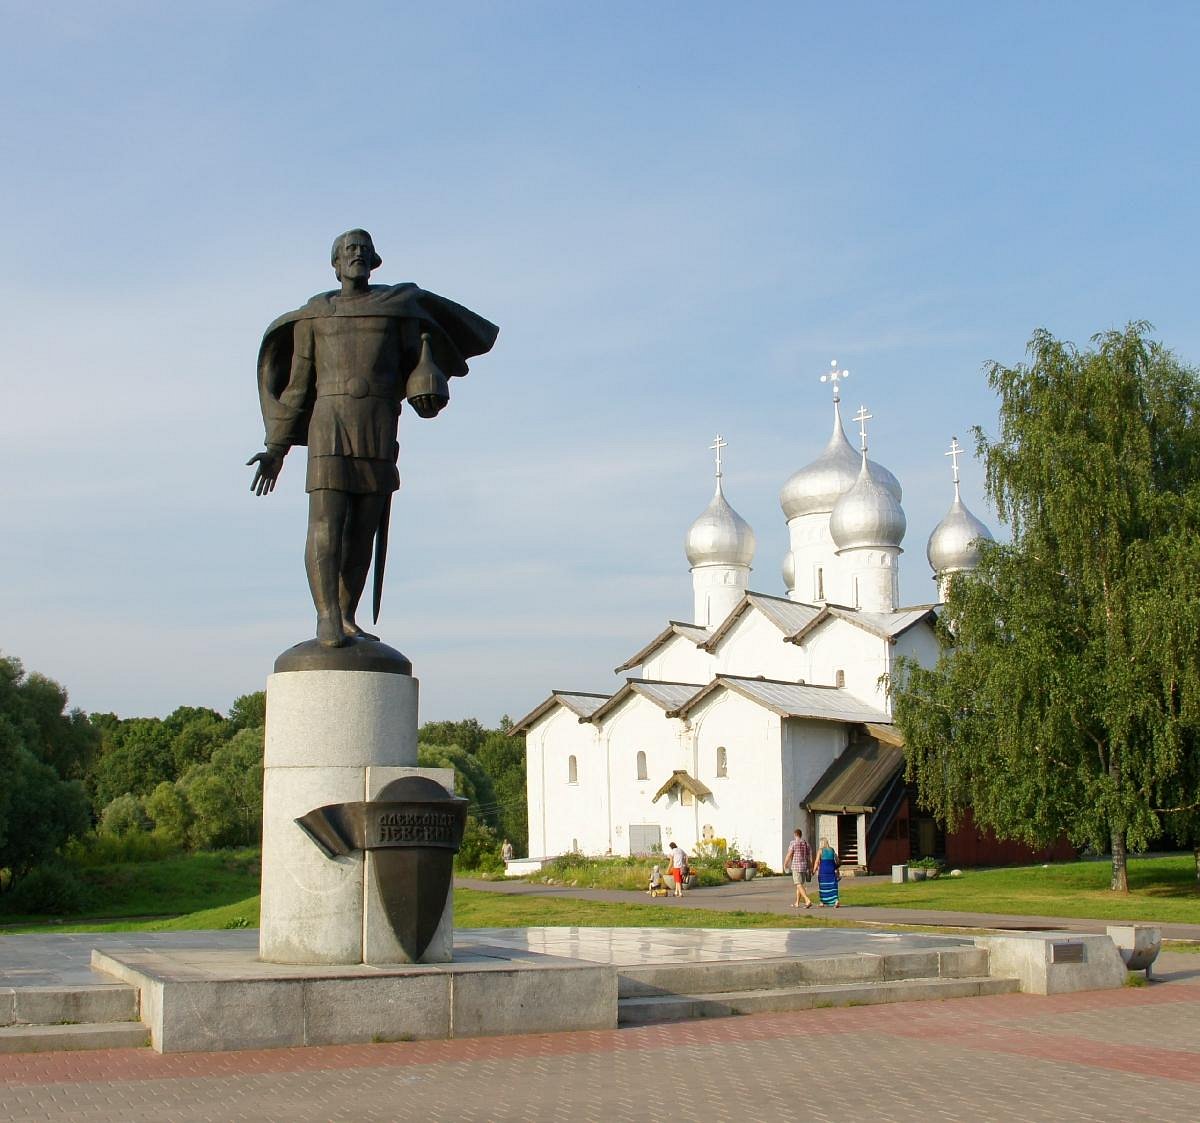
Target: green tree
(504, 759)
(40, 806)
(225, 794)
(1067, 694)
(124, 816)
(470, 778)
(249, 711)
(170, 812)
(135, 756)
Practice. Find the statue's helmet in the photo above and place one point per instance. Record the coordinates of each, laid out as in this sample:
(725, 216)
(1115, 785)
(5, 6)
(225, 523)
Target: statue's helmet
(376, 260)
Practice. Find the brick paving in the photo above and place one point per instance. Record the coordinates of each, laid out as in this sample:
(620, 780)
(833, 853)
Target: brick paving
(1103, 1055)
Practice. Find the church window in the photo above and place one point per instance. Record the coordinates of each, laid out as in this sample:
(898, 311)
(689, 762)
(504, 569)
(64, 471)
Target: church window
(722, 761)
(642, 774)
(839, 678)
(572, 771)
(820, 583)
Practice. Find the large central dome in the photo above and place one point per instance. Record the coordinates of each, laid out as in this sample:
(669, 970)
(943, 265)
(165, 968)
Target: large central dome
(816, 487)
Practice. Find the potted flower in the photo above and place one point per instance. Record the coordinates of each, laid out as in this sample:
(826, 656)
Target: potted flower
(924, 869)
(741, 869)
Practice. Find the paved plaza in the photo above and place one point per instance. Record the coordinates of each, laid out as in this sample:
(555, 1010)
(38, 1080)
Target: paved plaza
(1124, 1054)
(1132, 1053)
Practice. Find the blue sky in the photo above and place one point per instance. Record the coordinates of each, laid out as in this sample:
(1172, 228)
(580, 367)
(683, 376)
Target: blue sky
(678, 214)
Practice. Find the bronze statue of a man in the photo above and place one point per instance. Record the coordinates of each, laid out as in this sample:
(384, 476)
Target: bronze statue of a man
(332, 375)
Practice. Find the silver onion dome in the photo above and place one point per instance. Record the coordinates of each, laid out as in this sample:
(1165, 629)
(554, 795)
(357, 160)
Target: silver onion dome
(720, 536)
(818, 486)
(869, 514)
(953, 545)
(789, 570)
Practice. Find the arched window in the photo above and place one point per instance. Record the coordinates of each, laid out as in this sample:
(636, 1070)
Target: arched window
(722, 761)
(839, 678)
(572, 771)
(820, 583)
(642, 774)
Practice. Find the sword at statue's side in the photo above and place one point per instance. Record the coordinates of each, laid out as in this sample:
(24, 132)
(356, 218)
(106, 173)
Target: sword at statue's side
(381, 537)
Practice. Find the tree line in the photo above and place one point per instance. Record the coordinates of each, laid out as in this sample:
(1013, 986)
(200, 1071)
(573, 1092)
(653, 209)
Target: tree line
(74, 785)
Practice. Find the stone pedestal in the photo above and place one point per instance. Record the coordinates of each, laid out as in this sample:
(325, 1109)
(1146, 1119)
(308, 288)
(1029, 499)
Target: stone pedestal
(333, 736)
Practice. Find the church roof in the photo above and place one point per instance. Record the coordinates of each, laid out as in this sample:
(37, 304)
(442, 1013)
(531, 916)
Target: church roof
(580, 704)
(697, 633)
(885, 625)
(855, 781)
(665, 695)
(790, 699)
(787, 615)
(680, 778)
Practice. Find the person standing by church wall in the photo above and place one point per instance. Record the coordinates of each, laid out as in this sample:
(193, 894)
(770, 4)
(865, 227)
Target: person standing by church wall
(678, 863)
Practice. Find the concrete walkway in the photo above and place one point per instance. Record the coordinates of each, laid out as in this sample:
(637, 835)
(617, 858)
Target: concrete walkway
(774, 894)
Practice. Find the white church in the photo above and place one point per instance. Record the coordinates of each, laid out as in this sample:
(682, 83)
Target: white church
(763, 712)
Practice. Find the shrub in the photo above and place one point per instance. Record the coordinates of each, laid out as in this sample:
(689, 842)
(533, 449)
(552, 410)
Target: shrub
(480, 849)
(123, 816)
(108, 850)
(50, 890)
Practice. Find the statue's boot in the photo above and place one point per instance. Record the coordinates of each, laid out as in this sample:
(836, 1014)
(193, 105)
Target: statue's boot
(330, 631)
(353, 630)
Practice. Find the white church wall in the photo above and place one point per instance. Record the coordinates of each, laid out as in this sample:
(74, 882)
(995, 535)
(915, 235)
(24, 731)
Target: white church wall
(562, 813)
(818, 571)
(859, 655)
(809, 747)
(679, 660)
(754, 646)
(745, 804)
(641, 726)
(917, 643)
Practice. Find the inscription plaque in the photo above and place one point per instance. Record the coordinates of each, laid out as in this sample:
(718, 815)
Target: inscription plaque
(414, 829)
(1066, 953)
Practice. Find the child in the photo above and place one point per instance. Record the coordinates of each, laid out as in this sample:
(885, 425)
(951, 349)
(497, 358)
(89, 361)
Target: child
(656, 883)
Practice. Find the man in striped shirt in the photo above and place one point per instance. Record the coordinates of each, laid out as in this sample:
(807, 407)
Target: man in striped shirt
(798, 859)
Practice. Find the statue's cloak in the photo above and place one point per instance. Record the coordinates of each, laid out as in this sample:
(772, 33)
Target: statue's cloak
(456, 334)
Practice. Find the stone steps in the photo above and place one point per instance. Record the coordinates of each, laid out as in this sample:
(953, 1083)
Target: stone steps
(717, 976)
(679, 1007)
(73, 1037)
(59, 1019)
(677, 991)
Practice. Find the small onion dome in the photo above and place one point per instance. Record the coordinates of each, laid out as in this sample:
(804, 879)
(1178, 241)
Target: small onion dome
(818, 486)
(868, 514)
(789, 570)
(720, 536)
(953, 543)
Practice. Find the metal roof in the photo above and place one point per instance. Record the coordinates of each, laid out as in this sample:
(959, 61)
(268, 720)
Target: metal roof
(581, 704)
(667, 695)
(786, 615)
(885, 625)
(793, 699)
(854, 782)
(697, 633)
(681, 779)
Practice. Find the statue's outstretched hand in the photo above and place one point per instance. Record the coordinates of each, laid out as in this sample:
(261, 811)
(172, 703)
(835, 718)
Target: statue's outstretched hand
(266, 473)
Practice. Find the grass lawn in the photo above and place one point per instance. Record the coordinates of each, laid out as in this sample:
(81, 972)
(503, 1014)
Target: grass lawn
(1160, 889)
(474, 908)
(161, 889)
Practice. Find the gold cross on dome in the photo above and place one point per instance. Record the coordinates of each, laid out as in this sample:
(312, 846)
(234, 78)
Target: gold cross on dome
(835, 376)
(862, 417)
(956, 450)
(716, 446)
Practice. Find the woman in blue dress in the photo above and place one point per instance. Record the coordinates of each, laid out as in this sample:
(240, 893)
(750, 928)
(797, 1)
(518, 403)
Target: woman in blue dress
(827, 875)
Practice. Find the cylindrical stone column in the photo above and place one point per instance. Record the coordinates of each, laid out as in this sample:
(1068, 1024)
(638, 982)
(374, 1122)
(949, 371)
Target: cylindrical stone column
(325, 729)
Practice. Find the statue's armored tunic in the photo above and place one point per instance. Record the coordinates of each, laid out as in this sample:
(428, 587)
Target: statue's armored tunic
(333, 374)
